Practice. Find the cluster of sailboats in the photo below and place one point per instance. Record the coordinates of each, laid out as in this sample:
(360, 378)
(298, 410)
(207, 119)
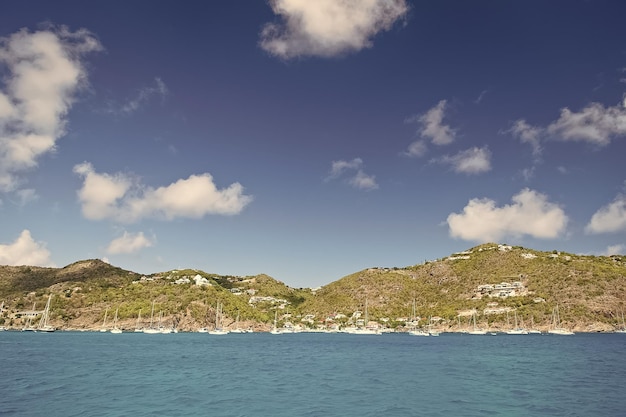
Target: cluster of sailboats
(156, 325)
(415, 331)
(555, 327)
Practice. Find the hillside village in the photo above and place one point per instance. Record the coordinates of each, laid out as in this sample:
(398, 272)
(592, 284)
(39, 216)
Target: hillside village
(485, 284)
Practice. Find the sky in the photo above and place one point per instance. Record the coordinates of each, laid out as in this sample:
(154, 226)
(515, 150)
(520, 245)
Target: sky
(308, 140)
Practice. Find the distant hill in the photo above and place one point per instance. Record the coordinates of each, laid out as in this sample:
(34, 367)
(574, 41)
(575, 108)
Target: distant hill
(589, 290)
(495, 281)
(84, 291)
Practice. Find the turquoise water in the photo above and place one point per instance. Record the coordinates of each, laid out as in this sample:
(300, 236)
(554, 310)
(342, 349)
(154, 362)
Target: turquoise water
(101, 374)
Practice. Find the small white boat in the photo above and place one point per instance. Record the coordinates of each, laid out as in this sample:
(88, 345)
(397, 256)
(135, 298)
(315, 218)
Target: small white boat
(138, 328)
(275, 329)
(516, 329)
(623, 329)
(44, 326)
(476, 330)
(218, 330)
(431, 332)
(556, 324)
(104, 323)
(151, 329)
(115, 329)
(415, 331)
(237, 329)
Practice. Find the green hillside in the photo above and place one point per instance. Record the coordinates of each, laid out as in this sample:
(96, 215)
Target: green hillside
(84, 291)
(590, 292)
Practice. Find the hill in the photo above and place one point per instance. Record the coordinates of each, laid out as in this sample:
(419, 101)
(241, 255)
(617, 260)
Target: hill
(87, 291)
(590, 291)
(494, 281)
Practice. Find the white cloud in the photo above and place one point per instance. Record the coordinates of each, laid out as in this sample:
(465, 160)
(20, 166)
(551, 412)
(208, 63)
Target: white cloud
(594, 124)
(528, 173)
(619, 249)
(101, 194)
(26, 196)
(363, 181)
(43, 73)
(339, 167)
(143, 96)
(328, 28)
(129, 243)
(480, 96)
(610, 218)
(121, 198)
(530, 214)
(417, 149)
(25, 251)
(356, 177)
(470, 161)
(528, 134)
(432, 126)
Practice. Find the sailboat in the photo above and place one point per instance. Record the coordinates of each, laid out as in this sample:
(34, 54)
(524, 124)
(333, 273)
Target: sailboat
(115, 329)
(28, 327)
(104, 323)
(218, 330)
(532, 329)
(138, 329)
(556, 324)
(414, 330)
(476, 330)
(162, 329)
(365, 329)
(237, 329)
(44, 326)
(275, 329)
(516, 329)
(151, 329)
(623, 329)
(430, 327)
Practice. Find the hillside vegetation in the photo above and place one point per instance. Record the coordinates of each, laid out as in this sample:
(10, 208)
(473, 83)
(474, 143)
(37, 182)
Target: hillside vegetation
(590, 292)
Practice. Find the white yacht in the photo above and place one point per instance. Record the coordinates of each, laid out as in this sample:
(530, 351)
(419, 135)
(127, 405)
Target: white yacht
(44, 326)
(556, 324)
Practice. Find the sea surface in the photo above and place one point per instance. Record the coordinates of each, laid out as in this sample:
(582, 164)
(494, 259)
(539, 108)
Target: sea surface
(191, 374)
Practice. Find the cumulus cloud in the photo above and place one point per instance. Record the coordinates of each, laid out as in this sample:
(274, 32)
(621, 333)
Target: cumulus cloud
(529, 214)
(339, 167)
(528, 134)
(470, 161)
(42, 73)
(122, 198)
(363, 181)
(416, 149)
(432, 127)
(25, 251)
(610, 218)
(353, 173)
(595, 124)
(129, 243)
(327, 28)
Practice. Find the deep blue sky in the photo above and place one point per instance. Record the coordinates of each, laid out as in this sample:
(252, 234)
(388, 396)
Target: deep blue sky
(183, 136)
